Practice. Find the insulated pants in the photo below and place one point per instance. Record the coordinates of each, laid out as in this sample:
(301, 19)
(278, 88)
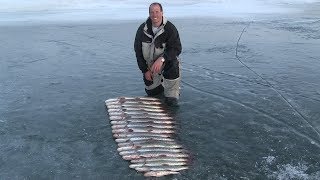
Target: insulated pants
(168, 81)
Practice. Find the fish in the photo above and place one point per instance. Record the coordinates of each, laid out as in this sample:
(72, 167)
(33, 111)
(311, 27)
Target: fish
(153, 159)
(119, 140)
(118, 122)
(113, 103)
(141, 121)
(145, 134)
(159, 173)
(114, 107)
(129, 109)
(158, 163)
(148, 98)
(144, 125)
(117, 118)
(132, 104)
(150, 116)
(135, 102)
(153, 154)
(123, 117)
(132, 135)
(134, 98)
(131, 113)
(161, 168)
(144, 130)
(152, 105)
(142, 150)
(148, 145)
(142, 106)
(148, 142)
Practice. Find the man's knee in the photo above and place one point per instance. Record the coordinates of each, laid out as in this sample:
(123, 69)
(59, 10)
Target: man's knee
(156, 91)
(171, 70)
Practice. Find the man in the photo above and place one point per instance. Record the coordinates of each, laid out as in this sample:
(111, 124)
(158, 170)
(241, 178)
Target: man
(157, 46)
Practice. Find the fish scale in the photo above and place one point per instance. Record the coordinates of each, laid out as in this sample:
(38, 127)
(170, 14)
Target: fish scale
(151, 142)
(118, 105)
(145, 116)
(130, 109)
(114, 122)
(145, 134)
(159, 163)
(143, 130)
(148, 125)
(145, 145)
(132, 135)
(131, 113)
(153, 159)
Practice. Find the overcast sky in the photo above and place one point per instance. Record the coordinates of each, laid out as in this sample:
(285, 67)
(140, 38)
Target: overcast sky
(33, 10)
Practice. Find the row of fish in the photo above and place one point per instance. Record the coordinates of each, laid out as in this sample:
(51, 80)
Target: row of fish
(145, 134)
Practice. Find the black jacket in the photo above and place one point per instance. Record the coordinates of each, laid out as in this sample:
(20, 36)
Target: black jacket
(148, 47)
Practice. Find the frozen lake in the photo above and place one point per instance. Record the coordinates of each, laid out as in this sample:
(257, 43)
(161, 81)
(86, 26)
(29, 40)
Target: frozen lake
(249, 106)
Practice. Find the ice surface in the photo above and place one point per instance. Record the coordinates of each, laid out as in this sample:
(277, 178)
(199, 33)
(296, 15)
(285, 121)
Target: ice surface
(54, 79)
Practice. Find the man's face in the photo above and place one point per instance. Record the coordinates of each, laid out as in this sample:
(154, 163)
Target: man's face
(155, 14)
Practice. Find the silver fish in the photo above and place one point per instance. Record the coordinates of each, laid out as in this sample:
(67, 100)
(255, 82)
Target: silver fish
(141, 116)
(144, 130)
(153, 154)
(114, 107)
(129, 109)
(110, 100)
(145, 135)
(142, 139)
(143, 125)
(142, 121)
(148, 116)
(136, 102)
(162, 168)
(118, 122)
(149, 98)
(148, 145)
(131, 135)
(149, 142)
(143, 150)
(143, 102)
(159, 173)
(153, 159)
(143, 109)
(114, 103)
(135, 99)
(159, 163)
(114, 110)
(137, 113)
(141, 106)
(117, 118)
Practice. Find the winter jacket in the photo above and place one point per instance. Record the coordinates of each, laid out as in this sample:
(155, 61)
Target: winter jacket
(148, 47)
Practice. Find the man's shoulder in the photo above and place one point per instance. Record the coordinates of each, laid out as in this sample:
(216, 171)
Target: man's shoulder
(170, 26)
(141, 26)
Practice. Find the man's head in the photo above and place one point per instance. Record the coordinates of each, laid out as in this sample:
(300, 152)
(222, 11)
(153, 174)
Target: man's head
(155, 13)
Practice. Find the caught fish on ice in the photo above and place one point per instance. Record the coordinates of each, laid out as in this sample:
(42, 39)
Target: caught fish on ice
(145, 133)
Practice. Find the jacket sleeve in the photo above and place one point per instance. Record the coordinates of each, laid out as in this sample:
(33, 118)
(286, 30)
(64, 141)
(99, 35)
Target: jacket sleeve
(138, 50)
(173, 44)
